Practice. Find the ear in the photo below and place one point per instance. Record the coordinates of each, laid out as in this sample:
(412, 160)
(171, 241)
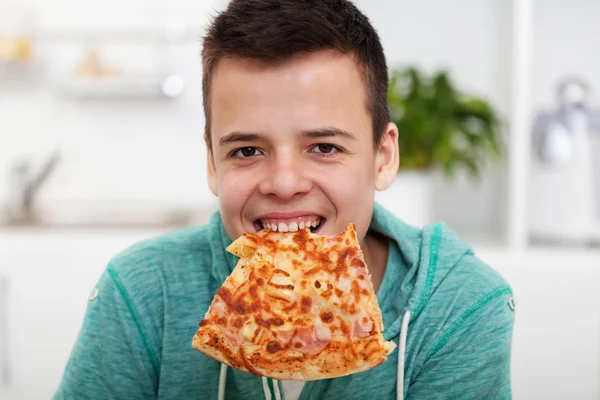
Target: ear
(210, 168)
(387, 158)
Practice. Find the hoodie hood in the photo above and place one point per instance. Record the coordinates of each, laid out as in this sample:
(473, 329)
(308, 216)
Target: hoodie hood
(419, 251)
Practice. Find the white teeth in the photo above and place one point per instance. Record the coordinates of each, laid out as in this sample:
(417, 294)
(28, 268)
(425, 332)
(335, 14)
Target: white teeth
(291, 227)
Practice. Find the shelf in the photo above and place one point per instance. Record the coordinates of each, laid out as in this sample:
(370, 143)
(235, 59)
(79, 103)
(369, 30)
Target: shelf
(129, 86)
(169, 34)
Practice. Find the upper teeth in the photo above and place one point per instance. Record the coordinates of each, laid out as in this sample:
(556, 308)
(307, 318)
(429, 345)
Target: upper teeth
(292, 226)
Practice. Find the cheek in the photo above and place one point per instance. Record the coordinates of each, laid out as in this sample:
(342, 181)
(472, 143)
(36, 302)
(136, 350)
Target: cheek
(348, 187)
(234, 189)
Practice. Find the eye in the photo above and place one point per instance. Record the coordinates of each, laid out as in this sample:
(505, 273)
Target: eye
(325, 148)
(246, 152)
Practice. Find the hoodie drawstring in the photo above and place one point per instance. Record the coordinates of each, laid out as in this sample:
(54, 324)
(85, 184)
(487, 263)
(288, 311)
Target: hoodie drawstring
(399, 378)
(222, 381)
(276, 390)
(267, 391)
(402, 356)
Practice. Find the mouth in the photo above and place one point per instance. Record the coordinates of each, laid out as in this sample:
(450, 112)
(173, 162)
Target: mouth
(312, 222)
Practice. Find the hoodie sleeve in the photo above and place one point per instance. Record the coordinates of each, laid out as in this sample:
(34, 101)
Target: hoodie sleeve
(112, 357)
(471, 357)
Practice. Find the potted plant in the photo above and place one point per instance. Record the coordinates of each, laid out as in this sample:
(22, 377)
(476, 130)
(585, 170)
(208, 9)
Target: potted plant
(442, 130)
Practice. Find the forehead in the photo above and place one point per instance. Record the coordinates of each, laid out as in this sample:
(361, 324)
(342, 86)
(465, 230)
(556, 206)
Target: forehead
(308, 91)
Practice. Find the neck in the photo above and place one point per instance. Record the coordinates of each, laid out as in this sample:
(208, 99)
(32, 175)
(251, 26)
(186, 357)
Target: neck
(375, 250)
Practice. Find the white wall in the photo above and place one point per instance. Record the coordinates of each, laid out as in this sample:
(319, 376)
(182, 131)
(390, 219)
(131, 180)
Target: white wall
(124, 150)
(153, 150)
(566, 43)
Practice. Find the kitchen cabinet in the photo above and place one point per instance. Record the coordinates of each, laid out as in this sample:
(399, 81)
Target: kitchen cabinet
(556, 340)
(47, 280)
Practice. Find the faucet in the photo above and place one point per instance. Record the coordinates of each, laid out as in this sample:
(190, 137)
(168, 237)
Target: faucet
(24, 186)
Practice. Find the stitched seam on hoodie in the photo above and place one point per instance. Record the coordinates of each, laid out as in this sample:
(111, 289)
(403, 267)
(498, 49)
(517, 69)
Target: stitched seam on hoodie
(135, 315)
(470, 311)
(436, 238)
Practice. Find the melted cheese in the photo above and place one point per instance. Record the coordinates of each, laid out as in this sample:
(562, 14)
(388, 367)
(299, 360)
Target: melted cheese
(300, 293)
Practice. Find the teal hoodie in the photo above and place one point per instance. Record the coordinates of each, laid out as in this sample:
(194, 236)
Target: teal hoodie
(450, 314)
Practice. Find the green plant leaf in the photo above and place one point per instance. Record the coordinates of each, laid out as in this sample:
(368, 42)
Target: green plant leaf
(441, 127)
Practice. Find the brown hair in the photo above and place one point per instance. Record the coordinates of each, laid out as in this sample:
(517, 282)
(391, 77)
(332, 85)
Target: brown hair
(276, 30)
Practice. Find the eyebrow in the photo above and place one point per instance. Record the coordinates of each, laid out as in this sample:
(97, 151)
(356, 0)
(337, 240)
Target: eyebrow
(328, 132)
(234, 137)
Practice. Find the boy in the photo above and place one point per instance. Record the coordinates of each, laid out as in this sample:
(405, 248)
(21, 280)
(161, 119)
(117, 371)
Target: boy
(298, 134)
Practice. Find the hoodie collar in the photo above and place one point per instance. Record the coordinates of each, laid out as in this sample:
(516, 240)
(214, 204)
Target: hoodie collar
(417, 250)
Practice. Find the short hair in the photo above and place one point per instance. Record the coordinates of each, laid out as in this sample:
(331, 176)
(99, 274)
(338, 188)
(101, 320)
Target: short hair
(277, 30)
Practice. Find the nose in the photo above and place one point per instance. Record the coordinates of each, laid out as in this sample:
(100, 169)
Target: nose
(285, 178)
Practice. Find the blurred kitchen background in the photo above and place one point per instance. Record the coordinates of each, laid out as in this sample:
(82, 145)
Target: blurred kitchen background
(101, 146)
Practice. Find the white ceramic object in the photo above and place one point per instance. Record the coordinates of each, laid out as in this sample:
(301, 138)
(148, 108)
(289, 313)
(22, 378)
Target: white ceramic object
(562, 199)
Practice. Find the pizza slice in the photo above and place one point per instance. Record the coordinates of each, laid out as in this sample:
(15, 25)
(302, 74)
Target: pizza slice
(297, 306)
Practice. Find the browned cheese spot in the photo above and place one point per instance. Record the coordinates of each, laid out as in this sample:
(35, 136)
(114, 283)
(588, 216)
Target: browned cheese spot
(305, 304)
(356, 291)
(301, 238)
(290, 307)
(326, 317)
(353, 309)
(262, 322)
(344, 327)
(275, 285)
(273, 347)
(358, 263)
(341, 266)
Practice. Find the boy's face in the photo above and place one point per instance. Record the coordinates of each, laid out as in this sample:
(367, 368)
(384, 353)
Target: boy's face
(292, 145)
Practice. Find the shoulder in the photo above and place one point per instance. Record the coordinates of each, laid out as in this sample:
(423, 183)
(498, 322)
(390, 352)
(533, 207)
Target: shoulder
(151, 261)
(454, 271)
(471, 296)
(460, 291)
(467, 285)
(469, 308)
(475, 278)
